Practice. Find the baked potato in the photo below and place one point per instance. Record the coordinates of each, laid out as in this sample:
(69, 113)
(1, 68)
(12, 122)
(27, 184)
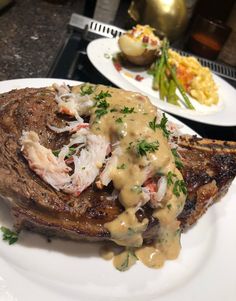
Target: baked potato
(139, 45)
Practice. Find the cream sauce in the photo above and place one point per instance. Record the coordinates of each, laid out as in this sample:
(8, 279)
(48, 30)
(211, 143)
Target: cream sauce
(124, 260)
(107, 252)
(129, 130)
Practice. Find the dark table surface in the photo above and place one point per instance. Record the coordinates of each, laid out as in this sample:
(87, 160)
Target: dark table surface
(31, 35)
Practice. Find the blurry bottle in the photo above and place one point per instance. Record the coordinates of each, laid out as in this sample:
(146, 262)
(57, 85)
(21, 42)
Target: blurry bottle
(207, 37)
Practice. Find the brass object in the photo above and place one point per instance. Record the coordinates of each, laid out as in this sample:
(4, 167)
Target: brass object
(168, 17)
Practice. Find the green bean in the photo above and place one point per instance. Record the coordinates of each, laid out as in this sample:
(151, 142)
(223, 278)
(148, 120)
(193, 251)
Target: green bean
(178, 84)
(160, 63)
(181, 89)
(172, 97)
(163, 84)
(158, 68)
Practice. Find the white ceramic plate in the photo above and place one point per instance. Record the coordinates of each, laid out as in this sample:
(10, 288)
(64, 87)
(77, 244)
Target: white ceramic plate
(100, 53)
(34, 269)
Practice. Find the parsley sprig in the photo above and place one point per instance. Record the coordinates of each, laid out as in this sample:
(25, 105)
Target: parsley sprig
(102, 104)
(178, 162)
(86, 90)
(153, 125)
(170, 177)
(119, 120)
(129, 260)
(9, 235)
(70, 153)
(162, 125)
(102, 95)
(127, 110)
(179, 187)
(143, 147)
(122, 166)
(100, 113)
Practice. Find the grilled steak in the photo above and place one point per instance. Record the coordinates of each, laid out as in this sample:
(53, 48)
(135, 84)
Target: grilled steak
(35, 205)
(209, 169)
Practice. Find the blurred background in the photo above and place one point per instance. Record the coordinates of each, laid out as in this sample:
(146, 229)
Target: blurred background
(40, 39)
(206, 28)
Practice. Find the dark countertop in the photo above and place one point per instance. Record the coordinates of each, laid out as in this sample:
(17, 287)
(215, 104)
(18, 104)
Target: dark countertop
(31, 34)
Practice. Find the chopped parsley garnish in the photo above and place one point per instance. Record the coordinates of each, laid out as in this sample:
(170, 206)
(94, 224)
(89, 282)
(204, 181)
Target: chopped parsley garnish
(9, 235)
(162, 125)
(119, 120)
(179, 187)
(129, 260)
(137, 189)
(178, 162)
(102, 95)
(100, 112)
(143, 147)
(122, 166)
(127, 110)
(170, 177)
(102, 104)
(153, 125)
(56, 152)
(86, 90)
(113, 110)
(169, 206)
(177, 232)
(70, 153)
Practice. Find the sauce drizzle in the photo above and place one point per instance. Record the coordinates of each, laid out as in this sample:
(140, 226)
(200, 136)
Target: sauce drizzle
(143, 154)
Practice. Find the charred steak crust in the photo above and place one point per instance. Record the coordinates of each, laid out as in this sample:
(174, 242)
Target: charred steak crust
(208, 172)
(37, 206)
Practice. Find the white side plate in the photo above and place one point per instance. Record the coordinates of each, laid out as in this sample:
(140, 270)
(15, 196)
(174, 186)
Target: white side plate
(100, 53)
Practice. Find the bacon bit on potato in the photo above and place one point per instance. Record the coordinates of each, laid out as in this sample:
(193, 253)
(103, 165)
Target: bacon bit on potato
(154, 42)
(117, 65)
(139, 78)
(145, 39)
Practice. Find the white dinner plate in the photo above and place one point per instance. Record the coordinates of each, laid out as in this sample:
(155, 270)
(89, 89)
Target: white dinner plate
(33, 269)
(101, 52)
